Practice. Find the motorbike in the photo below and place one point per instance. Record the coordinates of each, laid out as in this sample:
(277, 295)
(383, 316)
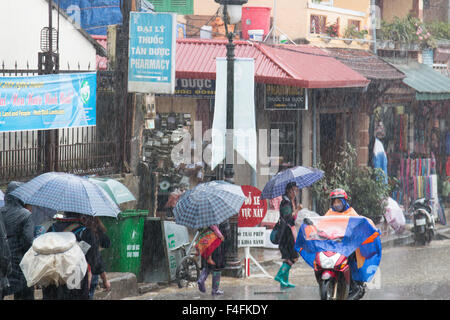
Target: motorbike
(423, 219)
(332, 245)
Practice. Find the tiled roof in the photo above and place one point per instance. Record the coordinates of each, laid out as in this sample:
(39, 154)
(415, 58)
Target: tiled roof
(366, 63)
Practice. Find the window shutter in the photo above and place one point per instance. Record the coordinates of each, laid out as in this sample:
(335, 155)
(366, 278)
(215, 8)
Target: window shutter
(178, 6)
(160, 5)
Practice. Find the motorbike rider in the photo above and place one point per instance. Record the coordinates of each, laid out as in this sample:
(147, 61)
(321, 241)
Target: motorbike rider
(339, 206)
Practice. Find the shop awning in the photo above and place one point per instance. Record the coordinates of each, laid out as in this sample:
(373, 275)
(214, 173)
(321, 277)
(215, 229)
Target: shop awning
(302, 66)
(428, 83)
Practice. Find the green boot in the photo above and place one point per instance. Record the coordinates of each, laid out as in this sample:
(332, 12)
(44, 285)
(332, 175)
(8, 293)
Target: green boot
(281, 274)
(286, 282)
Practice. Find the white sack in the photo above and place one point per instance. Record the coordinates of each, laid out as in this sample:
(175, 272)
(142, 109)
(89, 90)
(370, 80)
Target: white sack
(54, 258)
(394, 216)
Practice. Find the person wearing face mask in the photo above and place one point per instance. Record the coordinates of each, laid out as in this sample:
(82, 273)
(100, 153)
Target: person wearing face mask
(289, 209)
(339, 204)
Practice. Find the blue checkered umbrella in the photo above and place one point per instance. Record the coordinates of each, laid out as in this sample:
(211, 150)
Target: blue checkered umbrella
(208, 204)
(302, 176)
(66, 192)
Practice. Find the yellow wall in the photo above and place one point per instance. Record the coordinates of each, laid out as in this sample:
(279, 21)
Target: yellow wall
(293, 16)
(399, 8)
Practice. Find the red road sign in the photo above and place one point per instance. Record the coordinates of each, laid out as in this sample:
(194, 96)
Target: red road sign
(254, 208)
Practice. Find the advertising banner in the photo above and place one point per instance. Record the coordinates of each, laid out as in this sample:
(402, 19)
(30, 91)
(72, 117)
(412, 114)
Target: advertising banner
(151, 63)
(48, 101)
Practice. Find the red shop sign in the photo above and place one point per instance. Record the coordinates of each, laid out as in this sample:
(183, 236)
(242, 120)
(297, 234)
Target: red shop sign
(254, 208)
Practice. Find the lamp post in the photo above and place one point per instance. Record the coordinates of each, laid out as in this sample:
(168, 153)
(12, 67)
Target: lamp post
(232, 12)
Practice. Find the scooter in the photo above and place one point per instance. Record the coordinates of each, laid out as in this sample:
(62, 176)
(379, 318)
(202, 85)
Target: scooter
(333, 275)
(424, 223)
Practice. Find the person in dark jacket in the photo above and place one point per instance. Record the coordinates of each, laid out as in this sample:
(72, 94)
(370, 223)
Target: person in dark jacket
(289, 209)
(81, 226)
(5, 258)
(20, 232)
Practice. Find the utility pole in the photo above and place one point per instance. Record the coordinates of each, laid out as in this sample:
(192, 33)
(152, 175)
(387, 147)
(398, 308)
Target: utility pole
(48, 63)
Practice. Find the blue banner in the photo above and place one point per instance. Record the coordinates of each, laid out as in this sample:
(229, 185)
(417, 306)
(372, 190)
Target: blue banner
(151, 65)
(48, 102)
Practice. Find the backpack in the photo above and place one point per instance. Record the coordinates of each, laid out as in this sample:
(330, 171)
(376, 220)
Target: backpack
(277, 232)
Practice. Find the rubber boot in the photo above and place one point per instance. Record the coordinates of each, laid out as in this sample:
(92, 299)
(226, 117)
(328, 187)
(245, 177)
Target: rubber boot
(202, 278)
(286, 283)
(215, 284)
(281, 274)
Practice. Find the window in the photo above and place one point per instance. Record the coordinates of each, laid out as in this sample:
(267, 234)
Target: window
(287, 141)
(178, 6)
(355, 23)
(317, 24)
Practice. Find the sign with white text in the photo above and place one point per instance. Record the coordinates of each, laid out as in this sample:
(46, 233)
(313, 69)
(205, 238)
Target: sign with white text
(251, 237)
(151, 62)
(253, 209)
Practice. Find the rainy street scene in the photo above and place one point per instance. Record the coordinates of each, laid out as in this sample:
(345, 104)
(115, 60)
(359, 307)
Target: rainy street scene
(217, 158)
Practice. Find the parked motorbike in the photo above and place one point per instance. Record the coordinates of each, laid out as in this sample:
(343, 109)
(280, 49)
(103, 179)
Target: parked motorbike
(424, 224)
(328, 244)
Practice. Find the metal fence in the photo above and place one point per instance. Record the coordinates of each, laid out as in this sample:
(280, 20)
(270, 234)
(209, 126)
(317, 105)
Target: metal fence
(24, 154)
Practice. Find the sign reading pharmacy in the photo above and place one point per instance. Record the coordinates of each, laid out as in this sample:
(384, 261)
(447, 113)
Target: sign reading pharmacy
(284, 98)
(48, 101)
(151, 64)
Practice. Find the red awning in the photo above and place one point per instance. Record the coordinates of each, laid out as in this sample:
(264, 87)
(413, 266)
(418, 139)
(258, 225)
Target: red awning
(302, 66)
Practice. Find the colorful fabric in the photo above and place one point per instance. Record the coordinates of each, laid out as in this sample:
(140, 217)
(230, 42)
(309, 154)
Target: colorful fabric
(207, 242)
(344, 235)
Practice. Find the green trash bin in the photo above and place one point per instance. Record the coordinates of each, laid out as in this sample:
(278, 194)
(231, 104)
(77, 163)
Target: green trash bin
(125, 233)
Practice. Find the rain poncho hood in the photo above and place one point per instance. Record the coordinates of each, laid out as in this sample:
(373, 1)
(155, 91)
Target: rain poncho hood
(344, 235)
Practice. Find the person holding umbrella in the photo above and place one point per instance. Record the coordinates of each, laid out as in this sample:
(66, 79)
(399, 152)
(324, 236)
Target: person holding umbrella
(84, 229)
(287, 183)
(208, 204)
(289, 209)
(20, 232)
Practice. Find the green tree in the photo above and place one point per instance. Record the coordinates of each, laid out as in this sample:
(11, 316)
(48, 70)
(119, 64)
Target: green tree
(364, 185)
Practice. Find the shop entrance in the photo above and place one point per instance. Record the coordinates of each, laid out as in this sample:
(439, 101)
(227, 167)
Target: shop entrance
(329, 144)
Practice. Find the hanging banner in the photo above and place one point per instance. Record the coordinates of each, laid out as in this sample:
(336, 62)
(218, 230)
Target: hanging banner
(151, 62)
(48, 101)
(244, 118)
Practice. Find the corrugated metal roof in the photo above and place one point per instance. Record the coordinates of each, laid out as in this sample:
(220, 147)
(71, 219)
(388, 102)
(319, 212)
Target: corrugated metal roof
(303, 66)
(429, 84)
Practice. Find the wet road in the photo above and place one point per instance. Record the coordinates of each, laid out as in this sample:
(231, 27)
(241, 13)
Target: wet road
(406, 273)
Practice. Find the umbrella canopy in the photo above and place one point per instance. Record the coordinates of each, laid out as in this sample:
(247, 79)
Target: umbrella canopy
(67, 192)
(208, 204)
(116, 190)
(302, 176)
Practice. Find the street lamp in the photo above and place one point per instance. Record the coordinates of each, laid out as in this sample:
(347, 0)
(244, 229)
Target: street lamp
(232, 13)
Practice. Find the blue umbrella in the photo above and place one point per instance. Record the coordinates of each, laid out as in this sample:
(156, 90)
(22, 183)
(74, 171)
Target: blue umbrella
(67, 192)
(302, 176)
(208, 204)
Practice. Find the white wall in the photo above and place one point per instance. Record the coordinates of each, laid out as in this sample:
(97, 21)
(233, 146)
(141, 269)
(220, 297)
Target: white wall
(21, 22)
